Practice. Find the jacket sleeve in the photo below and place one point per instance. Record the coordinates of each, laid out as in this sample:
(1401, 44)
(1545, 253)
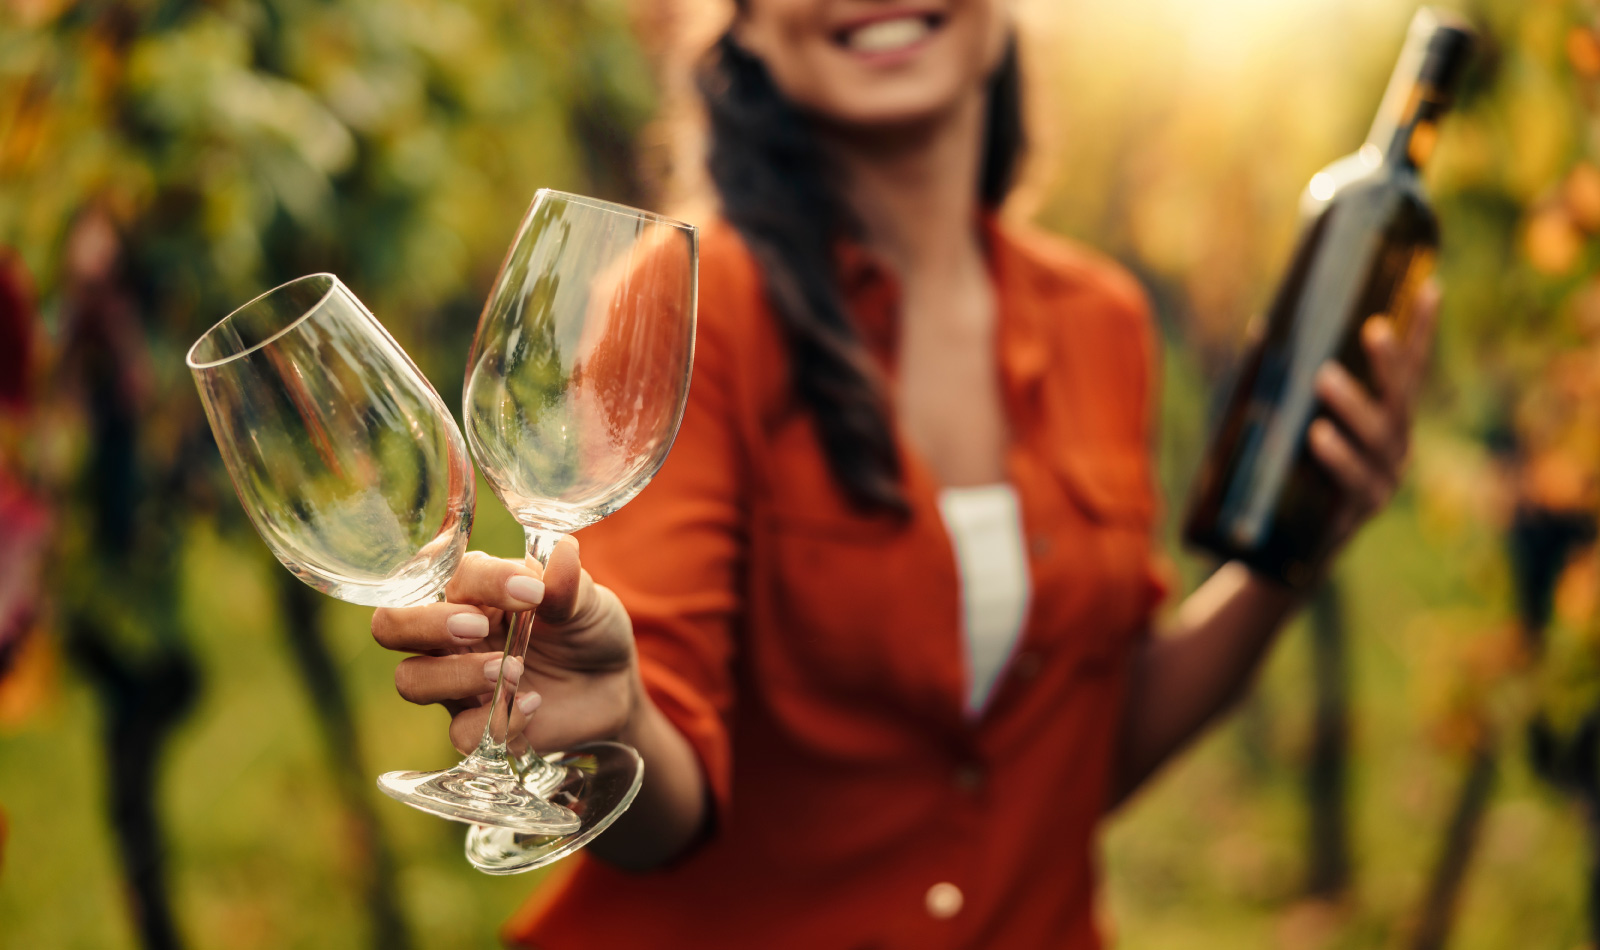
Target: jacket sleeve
(1160, 572)
(675, 557)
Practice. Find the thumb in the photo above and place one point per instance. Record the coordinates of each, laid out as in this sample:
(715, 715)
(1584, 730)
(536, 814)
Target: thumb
(567, 585)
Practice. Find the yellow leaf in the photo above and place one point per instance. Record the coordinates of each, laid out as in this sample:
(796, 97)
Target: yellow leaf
(1578, 590)
(31, 682)
(1583, 51)
(1581, 194)
(1553, 241)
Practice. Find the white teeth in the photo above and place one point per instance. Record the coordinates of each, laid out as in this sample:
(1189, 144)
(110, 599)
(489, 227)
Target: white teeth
(886, 35)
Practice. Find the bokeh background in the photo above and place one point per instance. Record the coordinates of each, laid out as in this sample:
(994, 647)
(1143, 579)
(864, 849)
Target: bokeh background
(188, 736)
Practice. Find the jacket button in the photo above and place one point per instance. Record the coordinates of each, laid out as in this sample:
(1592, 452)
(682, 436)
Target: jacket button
(969, 777)
(1039, 545)
(944, 900)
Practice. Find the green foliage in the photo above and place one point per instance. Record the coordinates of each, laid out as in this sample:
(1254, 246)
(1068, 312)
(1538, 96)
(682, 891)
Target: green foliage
(160, 164)
(235, 145)
(1184, 158)
(242, 144)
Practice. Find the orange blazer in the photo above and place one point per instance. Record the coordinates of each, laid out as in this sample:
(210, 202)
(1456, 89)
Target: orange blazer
(813, 655)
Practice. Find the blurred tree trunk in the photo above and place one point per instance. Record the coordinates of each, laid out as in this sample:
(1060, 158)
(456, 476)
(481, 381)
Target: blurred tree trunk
(302, 616)
(1541, 544)
(141, 700)
(1455, 854)
(123, 628)
(1328, 868)
(1586, 779)
(1572, 764)
(192, 199)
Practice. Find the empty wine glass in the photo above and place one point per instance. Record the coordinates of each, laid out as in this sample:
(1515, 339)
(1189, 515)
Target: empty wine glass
(576, 383)
(355, 475)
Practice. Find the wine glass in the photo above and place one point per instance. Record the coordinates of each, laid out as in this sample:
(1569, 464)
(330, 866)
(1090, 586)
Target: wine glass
(354, 473)
(575, 386)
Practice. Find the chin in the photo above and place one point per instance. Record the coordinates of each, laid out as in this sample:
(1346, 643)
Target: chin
(881, 66)
(880, 105)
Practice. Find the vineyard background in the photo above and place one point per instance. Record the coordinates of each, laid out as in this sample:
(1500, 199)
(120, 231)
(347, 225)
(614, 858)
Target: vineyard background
(1420, 767)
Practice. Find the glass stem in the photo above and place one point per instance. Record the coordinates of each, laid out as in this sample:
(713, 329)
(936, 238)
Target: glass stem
(493, 749)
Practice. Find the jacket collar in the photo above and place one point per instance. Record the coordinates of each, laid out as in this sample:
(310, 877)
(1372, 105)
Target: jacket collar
(1024, 293)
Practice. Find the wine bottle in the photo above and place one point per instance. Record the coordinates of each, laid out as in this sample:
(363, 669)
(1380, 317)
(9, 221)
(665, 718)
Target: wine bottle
(1368, 241)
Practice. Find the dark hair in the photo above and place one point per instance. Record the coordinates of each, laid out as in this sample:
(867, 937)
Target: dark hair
(778, 191)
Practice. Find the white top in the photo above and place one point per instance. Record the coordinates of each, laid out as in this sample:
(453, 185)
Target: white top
(985, 527)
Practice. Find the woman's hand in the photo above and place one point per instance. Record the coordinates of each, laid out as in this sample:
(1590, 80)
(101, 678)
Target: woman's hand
(1367, 450)
(581, 672)
(1203, 661)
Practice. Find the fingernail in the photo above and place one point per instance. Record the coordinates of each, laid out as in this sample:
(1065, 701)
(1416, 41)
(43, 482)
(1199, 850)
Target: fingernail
(529, 590)
(528, 702)
(491, 670)
(468, 626)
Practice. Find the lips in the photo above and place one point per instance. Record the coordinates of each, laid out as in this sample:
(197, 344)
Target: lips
(889, 34)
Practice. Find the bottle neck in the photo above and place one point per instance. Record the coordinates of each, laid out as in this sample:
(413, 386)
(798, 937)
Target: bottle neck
(1431, 63)
(1407, 139)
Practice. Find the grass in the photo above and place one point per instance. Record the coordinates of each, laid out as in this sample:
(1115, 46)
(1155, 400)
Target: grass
(1211, 856)
(259, 853)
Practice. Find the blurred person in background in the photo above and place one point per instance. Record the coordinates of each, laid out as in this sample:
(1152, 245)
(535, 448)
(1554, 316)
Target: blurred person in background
(882, 627)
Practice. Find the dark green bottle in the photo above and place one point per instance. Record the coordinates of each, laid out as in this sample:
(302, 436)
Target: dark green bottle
(1368, 241)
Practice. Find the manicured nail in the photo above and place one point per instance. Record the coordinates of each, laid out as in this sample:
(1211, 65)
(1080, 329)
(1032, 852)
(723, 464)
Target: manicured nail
(467, 626)
(528, 702)
(529, 590)
(491, 670)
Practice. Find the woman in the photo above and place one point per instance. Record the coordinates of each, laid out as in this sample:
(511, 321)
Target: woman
(881, 626)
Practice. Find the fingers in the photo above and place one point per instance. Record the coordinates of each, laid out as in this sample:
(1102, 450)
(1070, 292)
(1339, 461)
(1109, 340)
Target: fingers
(1376, 426)
(495, 582)
(599, 709)
(566, 599)
(1380, 421)
(1367, 484)
(1391, 370)
(1398, 365)
(483, 587)
(429, 628)
(1366, 419)
(467, 726)
(450, 679)
(565, 584)
(434, 679)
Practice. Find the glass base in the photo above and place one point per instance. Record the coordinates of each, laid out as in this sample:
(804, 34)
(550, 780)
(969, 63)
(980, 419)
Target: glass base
(485, 795)
(596, 780)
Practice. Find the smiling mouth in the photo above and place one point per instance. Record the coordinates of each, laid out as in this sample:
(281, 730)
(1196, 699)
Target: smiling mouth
(889, 35)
